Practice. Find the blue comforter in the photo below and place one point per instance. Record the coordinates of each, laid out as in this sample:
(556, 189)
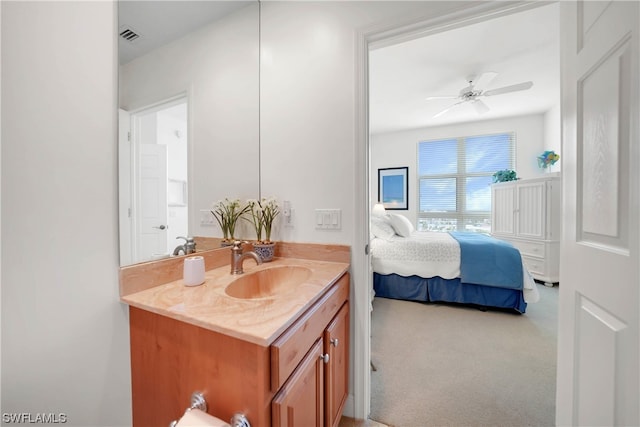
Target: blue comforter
(485, 260)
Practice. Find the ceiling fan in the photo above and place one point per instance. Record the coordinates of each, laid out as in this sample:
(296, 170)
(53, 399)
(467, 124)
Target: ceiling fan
(475, 90)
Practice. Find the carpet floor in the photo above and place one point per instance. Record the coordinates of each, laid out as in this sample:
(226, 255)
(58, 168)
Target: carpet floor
(452, 365)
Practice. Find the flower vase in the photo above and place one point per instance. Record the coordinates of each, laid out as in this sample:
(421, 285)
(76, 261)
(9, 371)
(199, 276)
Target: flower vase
(265, 250)
(225, 243)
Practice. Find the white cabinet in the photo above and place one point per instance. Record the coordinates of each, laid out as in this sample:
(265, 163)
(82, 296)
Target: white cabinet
(526, 213)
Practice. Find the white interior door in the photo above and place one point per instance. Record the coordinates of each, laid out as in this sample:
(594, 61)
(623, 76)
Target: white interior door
(598, 346)
(152, 201)
(124, 186)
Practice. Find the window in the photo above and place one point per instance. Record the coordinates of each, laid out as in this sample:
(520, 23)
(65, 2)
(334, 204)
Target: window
(455, 176)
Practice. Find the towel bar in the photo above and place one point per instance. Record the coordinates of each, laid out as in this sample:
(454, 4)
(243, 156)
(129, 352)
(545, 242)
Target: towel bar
(198, 402)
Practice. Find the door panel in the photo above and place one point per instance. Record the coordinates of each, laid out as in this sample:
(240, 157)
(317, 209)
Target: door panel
(531, 210)
(300, 401)
(598, 346)
(336, 345)
(152, 201)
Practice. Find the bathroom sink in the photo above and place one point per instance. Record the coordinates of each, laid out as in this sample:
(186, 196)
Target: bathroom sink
(268, 283)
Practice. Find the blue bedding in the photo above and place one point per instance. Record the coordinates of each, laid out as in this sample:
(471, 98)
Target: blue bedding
(485, 260)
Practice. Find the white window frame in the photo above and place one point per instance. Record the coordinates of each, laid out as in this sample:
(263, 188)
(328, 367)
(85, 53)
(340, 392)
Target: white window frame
(460, 215)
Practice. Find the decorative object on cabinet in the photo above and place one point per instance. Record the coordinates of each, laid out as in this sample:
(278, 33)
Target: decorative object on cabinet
(505, 176)
(265, 251)
(261, 214)
(393, 188)
(526, 213)
(227, 212)
(547, 159)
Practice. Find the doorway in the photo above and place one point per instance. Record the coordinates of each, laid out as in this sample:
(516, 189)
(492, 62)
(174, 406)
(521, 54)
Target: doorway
(153, 180)
(372, 161)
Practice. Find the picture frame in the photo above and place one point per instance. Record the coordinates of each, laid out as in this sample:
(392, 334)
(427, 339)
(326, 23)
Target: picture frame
(393, 188)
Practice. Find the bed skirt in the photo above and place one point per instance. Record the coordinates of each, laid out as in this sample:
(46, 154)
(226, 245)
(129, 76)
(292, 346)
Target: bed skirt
(437, 289)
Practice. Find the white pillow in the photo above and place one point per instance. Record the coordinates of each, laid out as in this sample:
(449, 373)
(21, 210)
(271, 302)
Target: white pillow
(381, 228)
(401, 225)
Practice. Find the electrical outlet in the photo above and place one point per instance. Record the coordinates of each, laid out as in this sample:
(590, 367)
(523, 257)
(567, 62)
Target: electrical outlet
(206, 218)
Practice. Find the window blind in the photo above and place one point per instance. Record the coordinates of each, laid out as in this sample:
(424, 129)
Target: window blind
(455, 176)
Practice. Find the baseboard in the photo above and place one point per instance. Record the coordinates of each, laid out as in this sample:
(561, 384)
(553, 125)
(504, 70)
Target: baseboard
(349, 407)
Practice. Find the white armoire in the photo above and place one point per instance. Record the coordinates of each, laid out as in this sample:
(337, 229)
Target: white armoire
(527, 214)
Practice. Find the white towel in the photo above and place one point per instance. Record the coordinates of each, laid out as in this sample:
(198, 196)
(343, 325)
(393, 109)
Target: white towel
(197, 418)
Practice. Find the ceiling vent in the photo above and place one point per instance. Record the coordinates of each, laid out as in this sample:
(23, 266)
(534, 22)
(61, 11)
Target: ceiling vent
(128, 34)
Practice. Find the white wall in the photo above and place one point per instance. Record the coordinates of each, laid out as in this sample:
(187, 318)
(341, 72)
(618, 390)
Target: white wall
(217, 67)
(64, 332)
(308, 104)
(553, 134)
(309, 150)
(396, 149)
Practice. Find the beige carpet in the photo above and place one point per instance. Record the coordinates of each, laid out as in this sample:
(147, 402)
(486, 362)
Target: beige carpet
(447, 365)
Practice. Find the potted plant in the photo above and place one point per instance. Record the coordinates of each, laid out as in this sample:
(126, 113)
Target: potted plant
(262, 213)
(505, 176)
(227, 212)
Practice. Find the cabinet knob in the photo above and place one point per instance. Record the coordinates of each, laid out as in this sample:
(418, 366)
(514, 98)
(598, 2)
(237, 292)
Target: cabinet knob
(325, 357)
(334, 341)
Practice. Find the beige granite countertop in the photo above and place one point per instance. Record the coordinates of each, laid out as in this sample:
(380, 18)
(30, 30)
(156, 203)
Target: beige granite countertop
(259, 321)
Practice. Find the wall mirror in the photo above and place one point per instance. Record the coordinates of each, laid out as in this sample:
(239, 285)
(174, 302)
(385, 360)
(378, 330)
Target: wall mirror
(188, 118)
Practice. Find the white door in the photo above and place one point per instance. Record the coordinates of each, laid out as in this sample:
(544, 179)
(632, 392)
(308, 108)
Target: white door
(125, 207)
(598, 345)
(152, 201)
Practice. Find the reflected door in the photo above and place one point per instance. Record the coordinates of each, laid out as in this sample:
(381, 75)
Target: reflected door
(152, 199)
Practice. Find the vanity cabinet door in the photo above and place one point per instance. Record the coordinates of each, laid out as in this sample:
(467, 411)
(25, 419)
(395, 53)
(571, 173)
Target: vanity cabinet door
(336, 345)
(300, 402)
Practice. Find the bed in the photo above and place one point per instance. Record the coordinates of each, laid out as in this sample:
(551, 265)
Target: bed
(465, 268)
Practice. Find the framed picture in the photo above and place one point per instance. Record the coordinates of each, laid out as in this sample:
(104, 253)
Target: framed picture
(393, 188)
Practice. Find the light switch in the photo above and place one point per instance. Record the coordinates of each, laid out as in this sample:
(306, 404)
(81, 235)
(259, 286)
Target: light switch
(328, 219)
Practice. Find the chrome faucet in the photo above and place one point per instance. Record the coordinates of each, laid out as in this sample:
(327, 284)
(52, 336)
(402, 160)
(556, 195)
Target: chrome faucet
(189, 246)
(237, 257)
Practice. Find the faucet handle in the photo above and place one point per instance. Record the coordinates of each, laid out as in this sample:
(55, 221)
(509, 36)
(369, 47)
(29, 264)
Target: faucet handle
(237, 244)
(186, 239)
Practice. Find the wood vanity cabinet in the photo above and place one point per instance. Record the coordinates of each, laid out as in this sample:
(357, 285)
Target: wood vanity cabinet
(323, 374)
(300, 379)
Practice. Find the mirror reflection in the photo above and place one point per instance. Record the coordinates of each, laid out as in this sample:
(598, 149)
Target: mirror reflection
(188, 118)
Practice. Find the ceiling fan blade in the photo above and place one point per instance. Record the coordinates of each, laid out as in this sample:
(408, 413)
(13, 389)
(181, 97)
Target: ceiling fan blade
(484, 79)
(480, 106)
(507, 89)
(431, 98)
(446, 110)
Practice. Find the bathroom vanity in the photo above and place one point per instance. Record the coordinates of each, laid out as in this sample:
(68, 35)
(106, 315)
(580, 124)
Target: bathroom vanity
(281, 359)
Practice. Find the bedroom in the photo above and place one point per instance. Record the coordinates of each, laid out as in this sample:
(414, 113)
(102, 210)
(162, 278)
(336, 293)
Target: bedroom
(404, 75)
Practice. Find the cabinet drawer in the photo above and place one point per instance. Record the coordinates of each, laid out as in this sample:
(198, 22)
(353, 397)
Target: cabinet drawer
(534, 265)
(290, 348)
(535, 249)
